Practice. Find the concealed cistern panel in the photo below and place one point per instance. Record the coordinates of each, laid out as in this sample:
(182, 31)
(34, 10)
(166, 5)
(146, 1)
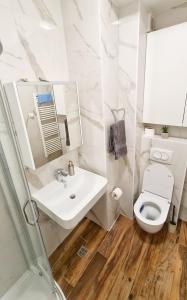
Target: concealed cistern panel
(161, 155)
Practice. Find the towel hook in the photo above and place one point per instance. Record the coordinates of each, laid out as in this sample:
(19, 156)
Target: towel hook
(115, 111)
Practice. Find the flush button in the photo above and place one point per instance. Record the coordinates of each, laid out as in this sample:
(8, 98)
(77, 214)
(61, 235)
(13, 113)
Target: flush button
(157, 155)
(161, 155)
(165, 157)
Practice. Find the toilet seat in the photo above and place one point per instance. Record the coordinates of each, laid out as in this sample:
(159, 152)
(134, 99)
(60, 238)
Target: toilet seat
(152, 201)
(152, 207)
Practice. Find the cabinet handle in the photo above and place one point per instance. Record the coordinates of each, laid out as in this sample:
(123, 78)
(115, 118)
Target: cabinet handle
(184, 110)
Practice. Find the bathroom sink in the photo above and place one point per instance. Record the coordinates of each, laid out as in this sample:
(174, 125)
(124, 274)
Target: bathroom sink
(67, 203)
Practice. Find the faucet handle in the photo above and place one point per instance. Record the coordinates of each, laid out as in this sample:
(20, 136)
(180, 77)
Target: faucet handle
(64, 172)
(60, 173)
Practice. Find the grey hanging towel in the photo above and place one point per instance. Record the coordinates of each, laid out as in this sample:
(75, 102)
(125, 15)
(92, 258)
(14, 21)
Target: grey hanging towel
(117, 139)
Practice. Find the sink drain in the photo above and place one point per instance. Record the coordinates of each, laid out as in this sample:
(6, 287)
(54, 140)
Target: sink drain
(73, 196)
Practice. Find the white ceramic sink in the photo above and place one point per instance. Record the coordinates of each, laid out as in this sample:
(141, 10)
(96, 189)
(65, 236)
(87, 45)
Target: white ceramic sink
(68, 203)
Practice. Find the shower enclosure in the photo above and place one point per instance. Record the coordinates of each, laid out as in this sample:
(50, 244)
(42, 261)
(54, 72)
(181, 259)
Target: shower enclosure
(25, 271)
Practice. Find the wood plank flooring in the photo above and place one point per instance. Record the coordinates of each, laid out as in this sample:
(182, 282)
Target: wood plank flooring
(123, 264)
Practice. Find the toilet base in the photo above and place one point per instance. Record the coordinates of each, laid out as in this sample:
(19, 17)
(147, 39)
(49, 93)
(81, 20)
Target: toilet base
(149, 228)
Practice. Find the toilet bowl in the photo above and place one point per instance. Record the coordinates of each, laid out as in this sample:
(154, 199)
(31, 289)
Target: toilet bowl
(152, 206)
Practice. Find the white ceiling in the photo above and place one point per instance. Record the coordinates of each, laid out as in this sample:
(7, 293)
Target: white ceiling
(155, 6)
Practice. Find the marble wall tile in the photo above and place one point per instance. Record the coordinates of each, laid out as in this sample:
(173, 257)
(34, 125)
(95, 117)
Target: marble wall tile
(109, 69)
(127, 64)
(81, 18)
(106, 67)
(25, 54)
(143, 25)
(93, 62)
(30, 51)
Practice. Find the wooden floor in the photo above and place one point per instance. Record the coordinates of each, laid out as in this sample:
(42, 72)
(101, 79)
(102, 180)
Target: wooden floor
(125, 263)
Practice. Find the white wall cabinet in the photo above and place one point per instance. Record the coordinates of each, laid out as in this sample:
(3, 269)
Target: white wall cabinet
(165, 94)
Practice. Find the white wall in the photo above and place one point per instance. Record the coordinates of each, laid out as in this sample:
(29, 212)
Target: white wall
(95, 60)
(82, 31)
(128, 55)
(107, 65)
(85, 44)
(142, 45)
(109, 39)
(30, 51)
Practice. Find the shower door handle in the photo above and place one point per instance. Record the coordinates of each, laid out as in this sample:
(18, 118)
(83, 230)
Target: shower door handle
(35, 207)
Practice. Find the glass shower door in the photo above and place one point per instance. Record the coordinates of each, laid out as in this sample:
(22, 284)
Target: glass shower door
(28, 272)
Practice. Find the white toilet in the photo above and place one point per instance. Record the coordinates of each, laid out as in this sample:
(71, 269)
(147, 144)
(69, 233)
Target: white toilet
(152, 207)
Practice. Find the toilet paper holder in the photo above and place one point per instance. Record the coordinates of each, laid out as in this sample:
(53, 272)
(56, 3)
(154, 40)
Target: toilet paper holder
(116, 193)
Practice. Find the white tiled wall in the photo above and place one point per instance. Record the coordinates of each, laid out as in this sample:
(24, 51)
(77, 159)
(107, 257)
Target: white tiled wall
(30, 51)
(105, 63)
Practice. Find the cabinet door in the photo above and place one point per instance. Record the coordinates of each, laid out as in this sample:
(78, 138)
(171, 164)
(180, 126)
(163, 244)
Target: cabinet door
(166, 76)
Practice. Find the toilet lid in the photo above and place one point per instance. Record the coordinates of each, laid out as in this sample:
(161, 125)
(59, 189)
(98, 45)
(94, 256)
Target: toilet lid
(158, 180)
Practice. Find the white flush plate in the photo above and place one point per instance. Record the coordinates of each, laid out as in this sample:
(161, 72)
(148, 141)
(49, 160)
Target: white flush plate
(161, 155)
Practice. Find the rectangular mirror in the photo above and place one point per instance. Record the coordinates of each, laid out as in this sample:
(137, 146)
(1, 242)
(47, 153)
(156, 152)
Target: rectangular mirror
(47, 119)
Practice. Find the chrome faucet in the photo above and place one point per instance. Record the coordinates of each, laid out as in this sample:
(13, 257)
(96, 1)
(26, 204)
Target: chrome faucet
(60, 174)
